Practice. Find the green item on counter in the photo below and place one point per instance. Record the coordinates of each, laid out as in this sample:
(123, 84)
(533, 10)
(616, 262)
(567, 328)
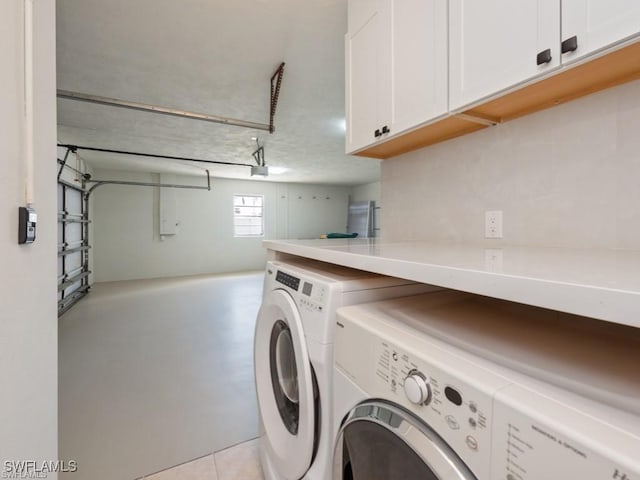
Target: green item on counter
(342, 235)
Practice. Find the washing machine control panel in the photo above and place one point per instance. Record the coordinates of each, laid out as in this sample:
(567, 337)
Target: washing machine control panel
(442, 392)
(417, 388)
(288, 280)
(310, 295)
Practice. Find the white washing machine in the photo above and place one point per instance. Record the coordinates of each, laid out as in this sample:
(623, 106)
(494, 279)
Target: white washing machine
(412, 405)
(293, 356)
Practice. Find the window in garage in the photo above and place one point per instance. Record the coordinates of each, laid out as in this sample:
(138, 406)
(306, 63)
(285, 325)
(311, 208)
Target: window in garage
(248, 215)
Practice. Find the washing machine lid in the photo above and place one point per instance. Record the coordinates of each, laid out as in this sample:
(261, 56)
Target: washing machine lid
(380, 441)
(284, 384)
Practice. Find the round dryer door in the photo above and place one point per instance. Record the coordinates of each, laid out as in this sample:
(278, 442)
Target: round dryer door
(379, 441)
(284, 383)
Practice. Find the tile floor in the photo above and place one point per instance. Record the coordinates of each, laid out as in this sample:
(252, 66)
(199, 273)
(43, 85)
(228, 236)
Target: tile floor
(239, 462)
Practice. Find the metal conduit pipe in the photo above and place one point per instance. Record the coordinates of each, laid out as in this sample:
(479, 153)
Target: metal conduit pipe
(29, 115)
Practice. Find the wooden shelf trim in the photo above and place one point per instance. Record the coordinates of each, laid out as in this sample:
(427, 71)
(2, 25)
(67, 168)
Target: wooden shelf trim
(612, 69)
(438, 131)
(615, 68)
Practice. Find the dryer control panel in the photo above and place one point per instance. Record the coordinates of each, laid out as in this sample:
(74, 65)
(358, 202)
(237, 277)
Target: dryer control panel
(456, 410)
(502, 424)
(452, 395)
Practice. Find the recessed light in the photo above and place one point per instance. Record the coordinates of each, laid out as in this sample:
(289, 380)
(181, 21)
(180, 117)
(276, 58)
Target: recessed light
(277, 170)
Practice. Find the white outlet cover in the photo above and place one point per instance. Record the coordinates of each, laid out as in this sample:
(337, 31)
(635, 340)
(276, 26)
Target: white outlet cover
(493, 224)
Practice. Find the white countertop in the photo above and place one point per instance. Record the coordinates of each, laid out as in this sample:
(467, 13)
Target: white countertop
(602, 284)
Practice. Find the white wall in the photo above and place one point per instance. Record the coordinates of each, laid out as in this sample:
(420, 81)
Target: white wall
(568, 176)
(28, 312)
(367, 191)
(127, 244)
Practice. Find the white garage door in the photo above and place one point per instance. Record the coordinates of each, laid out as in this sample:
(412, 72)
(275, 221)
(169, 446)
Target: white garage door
(73, 246)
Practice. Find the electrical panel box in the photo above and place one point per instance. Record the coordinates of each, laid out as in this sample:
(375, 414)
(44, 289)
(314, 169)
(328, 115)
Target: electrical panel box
(27, 219)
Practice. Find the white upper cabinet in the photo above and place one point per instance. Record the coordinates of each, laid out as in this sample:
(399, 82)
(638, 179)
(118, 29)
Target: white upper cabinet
(499, 44)
(413, 66)
(591, 25)
(419, 59)
(367, 70)
(496, 44)
(396, 67)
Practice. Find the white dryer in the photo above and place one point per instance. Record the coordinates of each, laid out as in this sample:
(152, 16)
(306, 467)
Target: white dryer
(293, 356)
(412, 405)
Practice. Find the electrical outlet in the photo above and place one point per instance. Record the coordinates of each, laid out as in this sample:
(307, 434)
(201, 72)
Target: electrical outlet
(493, 224)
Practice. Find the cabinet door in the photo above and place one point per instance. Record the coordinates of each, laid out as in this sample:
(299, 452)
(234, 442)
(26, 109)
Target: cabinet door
(419, 57)
(367, 72)
(597, 24)
(494, 45)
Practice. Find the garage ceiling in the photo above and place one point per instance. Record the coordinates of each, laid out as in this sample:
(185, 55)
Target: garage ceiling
(214, 57)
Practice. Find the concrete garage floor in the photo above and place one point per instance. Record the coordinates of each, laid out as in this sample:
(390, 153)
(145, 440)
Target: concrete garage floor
(156, 373)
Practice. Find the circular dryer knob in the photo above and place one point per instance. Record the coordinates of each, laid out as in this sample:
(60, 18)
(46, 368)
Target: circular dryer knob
(416, 388)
